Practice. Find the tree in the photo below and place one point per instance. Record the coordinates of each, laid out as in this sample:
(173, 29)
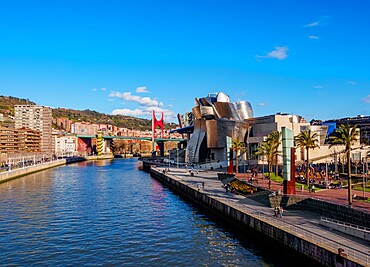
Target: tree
(275, 137)
(307, 140)
(237, 146)
(346, 135)
(268, 149)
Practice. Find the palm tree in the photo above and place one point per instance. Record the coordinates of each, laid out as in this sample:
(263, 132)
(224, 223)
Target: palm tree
(346, 135)
(307, 140)
(275, 137)
(237, 146)
(267, 149)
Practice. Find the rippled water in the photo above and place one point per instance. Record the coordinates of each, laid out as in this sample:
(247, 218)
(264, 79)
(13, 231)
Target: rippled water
(109, 213)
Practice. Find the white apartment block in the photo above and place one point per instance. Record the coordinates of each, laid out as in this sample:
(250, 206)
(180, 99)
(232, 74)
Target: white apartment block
(65, 145)
(37, 118)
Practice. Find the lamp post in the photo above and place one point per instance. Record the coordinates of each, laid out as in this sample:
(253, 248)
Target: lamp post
(363, 179)
(177, 152)
(326, 174)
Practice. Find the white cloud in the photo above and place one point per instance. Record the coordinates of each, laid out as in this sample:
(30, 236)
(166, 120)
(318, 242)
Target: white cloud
(280, 53)
(170, 105)
(313, 37)
(351, 82)
(128, 112)
(366, 99)
(313, 24)
(101, 89)
(322, 20)
(318, 86)
(145, 112)
(142, 89)
(144, 101)
(261, 104)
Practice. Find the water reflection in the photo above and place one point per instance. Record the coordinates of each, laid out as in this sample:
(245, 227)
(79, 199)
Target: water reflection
(112, 214)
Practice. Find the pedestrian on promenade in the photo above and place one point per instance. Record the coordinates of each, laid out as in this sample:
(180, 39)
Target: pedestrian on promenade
(203, 185)
(281, 212)
(276, 212)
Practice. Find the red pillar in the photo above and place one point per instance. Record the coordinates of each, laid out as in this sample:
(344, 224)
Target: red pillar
(289, 186)
(230, 167)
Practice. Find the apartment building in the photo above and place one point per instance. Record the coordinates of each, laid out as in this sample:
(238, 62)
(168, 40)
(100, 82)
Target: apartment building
(65, 145)
(38, 118)
(84, 128)
(19, 140)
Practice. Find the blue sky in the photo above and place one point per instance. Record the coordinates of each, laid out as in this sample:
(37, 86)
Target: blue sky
(309, 58)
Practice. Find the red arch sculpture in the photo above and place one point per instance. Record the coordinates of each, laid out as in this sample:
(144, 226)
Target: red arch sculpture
(156, 123)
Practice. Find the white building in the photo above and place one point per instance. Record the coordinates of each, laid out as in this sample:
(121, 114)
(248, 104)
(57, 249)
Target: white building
(65, 145)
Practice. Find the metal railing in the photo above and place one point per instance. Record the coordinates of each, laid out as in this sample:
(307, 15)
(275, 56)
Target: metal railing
(23, 166)
(353, 226)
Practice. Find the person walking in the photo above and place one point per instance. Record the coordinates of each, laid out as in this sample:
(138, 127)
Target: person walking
(281, 212)
(276, 211)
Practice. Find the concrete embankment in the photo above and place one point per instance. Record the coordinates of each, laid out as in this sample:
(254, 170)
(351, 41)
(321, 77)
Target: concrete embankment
(13, 174)
(16, 173)
(311, 242)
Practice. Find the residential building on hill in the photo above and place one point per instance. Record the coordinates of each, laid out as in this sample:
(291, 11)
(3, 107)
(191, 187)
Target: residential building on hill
(37, 118)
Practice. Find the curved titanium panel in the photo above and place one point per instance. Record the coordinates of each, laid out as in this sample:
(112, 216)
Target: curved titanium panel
(223, 110)
(244, 110)
(196, 112)
(204, 102)
(194, 143)
(207, 112)
(221, 97)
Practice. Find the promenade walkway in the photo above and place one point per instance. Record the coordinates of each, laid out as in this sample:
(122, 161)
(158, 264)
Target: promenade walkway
(300, 223)
(337, 196)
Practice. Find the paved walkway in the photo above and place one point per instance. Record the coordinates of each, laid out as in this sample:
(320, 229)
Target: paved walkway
(337, 196)
(302, 223)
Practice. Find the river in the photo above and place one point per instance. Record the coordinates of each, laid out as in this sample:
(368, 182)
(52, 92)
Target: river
(108, 213)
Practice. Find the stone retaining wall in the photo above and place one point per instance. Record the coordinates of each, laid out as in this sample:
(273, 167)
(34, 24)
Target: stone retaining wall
(246, 221)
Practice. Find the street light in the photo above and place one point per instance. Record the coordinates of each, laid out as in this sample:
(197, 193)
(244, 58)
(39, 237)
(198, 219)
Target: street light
(326, 174)
(363, 179)
(177, 151)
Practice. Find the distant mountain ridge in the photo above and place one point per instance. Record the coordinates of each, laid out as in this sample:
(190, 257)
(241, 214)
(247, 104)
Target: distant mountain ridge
(7, 108)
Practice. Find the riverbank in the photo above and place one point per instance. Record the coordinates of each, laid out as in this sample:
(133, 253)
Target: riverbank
(297, 230)
(19, 172)
(16, 173)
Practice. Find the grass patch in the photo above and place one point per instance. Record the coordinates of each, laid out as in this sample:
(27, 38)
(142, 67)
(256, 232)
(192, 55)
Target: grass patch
(280, 180)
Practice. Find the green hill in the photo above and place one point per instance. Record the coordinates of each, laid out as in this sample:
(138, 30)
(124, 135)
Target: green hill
(7, 104)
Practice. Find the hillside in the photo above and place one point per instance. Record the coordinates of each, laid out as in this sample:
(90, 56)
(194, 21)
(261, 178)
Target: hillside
(7, 104)
(7, 108)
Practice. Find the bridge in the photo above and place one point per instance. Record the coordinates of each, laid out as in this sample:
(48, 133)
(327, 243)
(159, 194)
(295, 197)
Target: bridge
(104, 142)
(109, 137)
